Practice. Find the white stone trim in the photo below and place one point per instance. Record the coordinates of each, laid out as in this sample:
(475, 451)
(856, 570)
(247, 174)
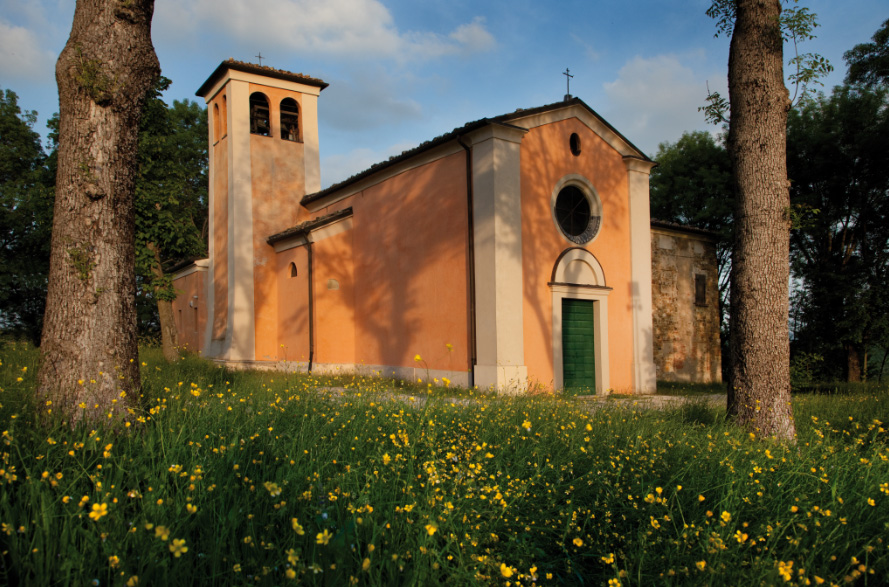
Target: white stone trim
(583, 256)
(261, 80)
(334, 228)
(599, 295)
(497, 238)
(200, 265)
(241, 315)
(644, 372)
(328, 230)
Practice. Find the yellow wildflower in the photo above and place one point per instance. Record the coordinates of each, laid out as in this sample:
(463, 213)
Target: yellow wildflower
(292, 556)
(297, 527)
(506, 571)
(178, 547)
(431, 529)
(701, 565)
(99, 510)
(785, 570)
(323, 538)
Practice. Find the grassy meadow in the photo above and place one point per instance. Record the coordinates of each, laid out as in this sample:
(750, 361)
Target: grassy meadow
(265, 479)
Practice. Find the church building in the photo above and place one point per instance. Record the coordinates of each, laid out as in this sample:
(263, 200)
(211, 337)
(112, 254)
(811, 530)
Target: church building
(514, 252)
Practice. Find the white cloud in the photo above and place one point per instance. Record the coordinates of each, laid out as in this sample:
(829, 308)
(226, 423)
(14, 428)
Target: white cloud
(588, 51)
(656, 99)
(336, 168)
(473, 37)
(367, 99)
(21, 55)
(354, 28)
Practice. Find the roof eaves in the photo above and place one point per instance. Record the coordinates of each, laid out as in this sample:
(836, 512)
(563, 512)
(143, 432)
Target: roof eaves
(687, 228)
(259, 70)
(458, 132)
(305, 228)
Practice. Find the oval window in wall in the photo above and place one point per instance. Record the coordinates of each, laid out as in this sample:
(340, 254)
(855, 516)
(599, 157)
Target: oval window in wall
(574, 144)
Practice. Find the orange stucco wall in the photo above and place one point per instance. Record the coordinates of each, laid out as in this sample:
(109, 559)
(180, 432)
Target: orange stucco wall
(545, 159)
(190, 310)
(278, 183)
(334, 299)
(219, 153)
(293, 304)
(410, 268)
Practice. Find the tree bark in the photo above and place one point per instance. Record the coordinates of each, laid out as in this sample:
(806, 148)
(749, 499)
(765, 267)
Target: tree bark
(90, 355)
(759, 390)
(169, 334)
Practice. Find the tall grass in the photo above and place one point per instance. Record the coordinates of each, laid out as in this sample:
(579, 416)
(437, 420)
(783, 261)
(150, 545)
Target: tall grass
(268, 479)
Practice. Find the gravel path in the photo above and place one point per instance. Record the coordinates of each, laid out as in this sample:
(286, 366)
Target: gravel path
(650, 402)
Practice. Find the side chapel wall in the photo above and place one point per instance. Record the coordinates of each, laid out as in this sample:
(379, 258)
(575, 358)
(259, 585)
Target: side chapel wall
(686, 334)
(408, 268)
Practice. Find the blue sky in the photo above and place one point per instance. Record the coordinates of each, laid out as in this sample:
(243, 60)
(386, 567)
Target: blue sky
(404, 71)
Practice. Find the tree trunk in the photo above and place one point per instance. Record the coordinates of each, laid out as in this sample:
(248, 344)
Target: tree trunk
(759, 391)
(169, 334)
(90, 354)
(854, 368)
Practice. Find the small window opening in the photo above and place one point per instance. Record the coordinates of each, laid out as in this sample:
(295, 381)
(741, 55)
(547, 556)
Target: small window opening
(259, 115)
(224, 118)
(289, 120)
(574, 144)
(216, 128)
(293, 270)
(700, 290)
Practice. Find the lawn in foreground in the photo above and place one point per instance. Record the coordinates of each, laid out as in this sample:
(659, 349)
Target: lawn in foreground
(260, 478)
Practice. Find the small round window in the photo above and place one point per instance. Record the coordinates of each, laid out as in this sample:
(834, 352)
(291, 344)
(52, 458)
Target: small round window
(577, 214)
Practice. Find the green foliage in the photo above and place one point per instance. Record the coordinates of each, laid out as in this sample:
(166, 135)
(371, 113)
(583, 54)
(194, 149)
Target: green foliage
(797, 25)
(869, 62)
(261, 474)
(805, 369)
(692, 185)
(171, 189)
(26, 201)
(837, 164)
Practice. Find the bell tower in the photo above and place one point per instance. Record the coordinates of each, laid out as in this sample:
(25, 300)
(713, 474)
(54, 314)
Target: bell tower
(263, 150)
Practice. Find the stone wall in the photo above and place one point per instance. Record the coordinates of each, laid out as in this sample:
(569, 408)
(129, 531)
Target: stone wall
(686, 321)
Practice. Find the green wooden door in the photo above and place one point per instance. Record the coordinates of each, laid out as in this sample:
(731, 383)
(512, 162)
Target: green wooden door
(578, 346)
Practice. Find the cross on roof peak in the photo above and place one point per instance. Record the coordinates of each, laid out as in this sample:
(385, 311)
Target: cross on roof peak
(568, 76)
